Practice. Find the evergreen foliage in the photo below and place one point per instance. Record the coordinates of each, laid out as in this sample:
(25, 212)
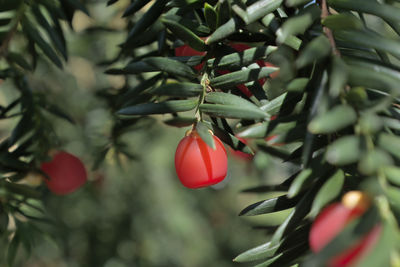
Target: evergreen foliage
(331, 94)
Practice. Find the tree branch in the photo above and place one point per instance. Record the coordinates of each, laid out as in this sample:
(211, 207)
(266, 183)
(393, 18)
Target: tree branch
(327, 31)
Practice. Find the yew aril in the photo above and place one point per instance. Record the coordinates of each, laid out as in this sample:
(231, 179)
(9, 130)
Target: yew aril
(198, 165)
(330, 223)
(66, 173)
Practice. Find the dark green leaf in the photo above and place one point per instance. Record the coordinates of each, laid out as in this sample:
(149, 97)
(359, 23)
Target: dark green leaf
(100, 157)
(110, 2)
(196, 27)
(171, 106)
(52, 33)
(147, 19)
(78, 5)
(288, 257)
(293, 3)
(260, 252)
(316, 50)
(241, 76)
(374, 160)
(12, 249)
(239, 59)
(260, 9)
(23, 128)
(149, 36)
(230, 139)
(328, 192)
(235, 112)
(262, 130)
(23, 190)
(298, 24)
(180, 121)
(344, 151)
(269, 205)
(229, 99)
(387, 12)
(134, 7)
(178, 89)
(185, 34)
(296, 216)
(133, 68)
(19, 60)
(33, 34)
(273, 106)
(338, 77)
(390, 143)
(131, 93)
(171, 66)
(392, 173)
(302, 180)
(10, 161)
(391, 123)
(205, 134)
(57, 111)
(254, 12)
(373, 75)
(334, 120)
(211, 16)
(224, 30)
(265, 251)
(369, 39)
(345, 21)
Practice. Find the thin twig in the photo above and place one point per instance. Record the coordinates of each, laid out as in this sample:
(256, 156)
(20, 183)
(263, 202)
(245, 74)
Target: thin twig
(327, 31)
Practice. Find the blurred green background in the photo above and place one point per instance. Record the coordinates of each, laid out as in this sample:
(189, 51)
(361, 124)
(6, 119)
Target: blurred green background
(134, 213)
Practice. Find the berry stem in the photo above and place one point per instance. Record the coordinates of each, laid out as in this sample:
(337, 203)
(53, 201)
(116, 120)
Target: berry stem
(204, 82)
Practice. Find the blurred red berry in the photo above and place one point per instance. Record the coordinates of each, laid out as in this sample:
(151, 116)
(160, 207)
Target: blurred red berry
(330, 223)
(198, 165)
(66, 173)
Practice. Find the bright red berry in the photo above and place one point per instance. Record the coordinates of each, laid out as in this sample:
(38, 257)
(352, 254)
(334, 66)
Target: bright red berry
(330, 223)
(66, 173)
(198, 165)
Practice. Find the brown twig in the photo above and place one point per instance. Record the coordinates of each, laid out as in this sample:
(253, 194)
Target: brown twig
(327, 31)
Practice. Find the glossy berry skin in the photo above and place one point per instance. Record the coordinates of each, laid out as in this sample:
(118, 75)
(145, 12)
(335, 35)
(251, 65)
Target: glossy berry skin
(329, 223)
(198, 165)
(66, 173)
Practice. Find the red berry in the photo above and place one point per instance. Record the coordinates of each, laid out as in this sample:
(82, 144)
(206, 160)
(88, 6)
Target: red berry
(66, 173)
(330, 223)
(197, 164)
